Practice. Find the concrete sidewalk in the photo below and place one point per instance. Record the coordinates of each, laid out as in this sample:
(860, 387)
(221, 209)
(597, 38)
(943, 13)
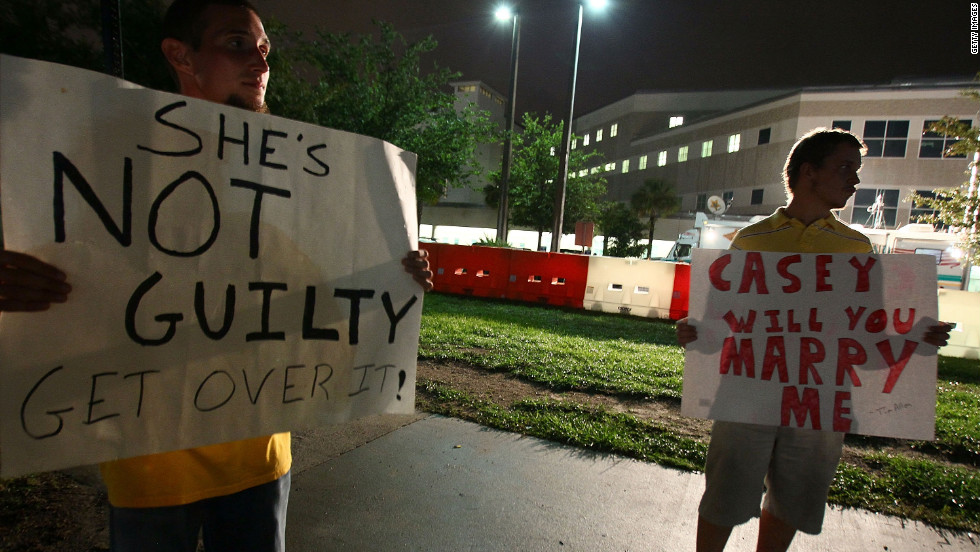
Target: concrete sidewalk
(440, 484)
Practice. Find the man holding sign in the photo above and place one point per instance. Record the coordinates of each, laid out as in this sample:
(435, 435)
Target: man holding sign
(796, 465)
(236, 491)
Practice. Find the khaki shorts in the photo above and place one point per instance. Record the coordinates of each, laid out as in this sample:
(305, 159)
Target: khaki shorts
(796, 467)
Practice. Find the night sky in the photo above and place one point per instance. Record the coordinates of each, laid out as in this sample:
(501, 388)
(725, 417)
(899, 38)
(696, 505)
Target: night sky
(673, 45)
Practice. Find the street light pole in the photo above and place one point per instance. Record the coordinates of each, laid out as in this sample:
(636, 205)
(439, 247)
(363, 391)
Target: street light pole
(503, 211)
(112, 37)
(566, 142)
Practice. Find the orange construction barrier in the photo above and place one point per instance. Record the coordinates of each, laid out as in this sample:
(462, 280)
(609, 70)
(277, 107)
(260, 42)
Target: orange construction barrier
(558, 279)
(553, 278)
(682, 291)
(470, 270)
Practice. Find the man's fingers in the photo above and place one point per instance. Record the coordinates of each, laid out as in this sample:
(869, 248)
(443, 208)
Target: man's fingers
(19, 278)
(7, 305)
(22, 294)
(939, 335)
(28, 284)
(12, 260)
(416, 263)
(424, 279)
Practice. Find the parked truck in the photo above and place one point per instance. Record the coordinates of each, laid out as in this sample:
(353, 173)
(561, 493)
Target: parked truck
(707, 234)
(923, 239)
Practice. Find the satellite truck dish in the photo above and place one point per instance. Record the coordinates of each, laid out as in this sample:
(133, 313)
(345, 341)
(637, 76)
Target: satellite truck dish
(716, 205)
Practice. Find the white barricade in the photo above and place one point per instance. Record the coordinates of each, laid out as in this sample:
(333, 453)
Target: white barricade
(962, 307)
(630, 286)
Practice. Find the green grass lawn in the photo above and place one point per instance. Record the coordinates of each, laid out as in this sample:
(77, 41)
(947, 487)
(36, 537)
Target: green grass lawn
(635, 358)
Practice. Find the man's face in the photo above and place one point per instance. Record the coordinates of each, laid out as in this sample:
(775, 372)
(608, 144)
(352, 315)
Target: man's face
(230, 66)
(835, 181)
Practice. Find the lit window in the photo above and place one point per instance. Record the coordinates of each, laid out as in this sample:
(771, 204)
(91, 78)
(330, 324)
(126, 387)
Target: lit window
(734, 142)
(706, 148)
(643, 162)
(614, 130)
(886, 138)
(676, 121)
(610, 167)
(934, 145)
(595, 170)
(875, 208)
(598, 135)
(575, 143)
(919, 211)
(585, 140)
(662, 158)
(626, 166)
(682, 154)
(583, 172)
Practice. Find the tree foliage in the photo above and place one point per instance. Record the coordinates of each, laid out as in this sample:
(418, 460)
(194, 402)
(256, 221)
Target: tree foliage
(70, 33)
(621, 230)
(958, 208)
(348, 82)
(532, 186)
(375, 85)
(655, 199)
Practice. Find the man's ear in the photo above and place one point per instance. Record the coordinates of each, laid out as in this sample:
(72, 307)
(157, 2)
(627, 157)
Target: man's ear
(178, 55)
(807, 169)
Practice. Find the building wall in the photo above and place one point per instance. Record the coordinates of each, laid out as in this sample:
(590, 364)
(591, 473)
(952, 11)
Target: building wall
(635, 131)
(904, 174)
(757, 166)
(465, 206)
(486, 99)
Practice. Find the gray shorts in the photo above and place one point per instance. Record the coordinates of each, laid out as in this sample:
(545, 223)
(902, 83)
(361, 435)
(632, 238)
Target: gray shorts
(795, 467)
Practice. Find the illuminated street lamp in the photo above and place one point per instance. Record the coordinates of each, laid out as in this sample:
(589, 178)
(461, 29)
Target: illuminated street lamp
(566, 141)
(504, 13)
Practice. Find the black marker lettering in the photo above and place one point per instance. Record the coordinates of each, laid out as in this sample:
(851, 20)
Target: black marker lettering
(222, 139)
(63, 167)
(159, 118)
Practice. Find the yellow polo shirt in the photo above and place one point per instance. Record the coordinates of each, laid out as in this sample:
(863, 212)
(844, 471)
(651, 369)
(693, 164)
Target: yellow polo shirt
(185, 476)
(781, 233)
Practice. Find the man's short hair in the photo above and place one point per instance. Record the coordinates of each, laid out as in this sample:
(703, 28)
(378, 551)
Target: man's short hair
(185, 21)
(814, 147)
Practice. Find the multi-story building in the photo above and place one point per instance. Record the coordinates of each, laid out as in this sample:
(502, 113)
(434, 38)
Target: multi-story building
(465, 206)
(733, 145)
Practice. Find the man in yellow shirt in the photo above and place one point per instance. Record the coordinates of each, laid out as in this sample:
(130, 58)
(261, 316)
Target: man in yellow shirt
(237, 492)
(796, 465)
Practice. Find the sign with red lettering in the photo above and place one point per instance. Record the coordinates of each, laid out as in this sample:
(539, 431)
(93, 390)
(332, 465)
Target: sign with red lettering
(234, 274)
(819, 341)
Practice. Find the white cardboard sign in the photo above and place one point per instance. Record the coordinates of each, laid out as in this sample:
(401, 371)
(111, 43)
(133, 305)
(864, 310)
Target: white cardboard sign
(235, 274)
(828, 342)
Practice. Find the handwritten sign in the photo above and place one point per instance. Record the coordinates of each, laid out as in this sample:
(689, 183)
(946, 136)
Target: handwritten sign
(828, 342)
(235, 274)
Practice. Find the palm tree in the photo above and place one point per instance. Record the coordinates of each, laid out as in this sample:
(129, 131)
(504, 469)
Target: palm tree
(654, 199)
